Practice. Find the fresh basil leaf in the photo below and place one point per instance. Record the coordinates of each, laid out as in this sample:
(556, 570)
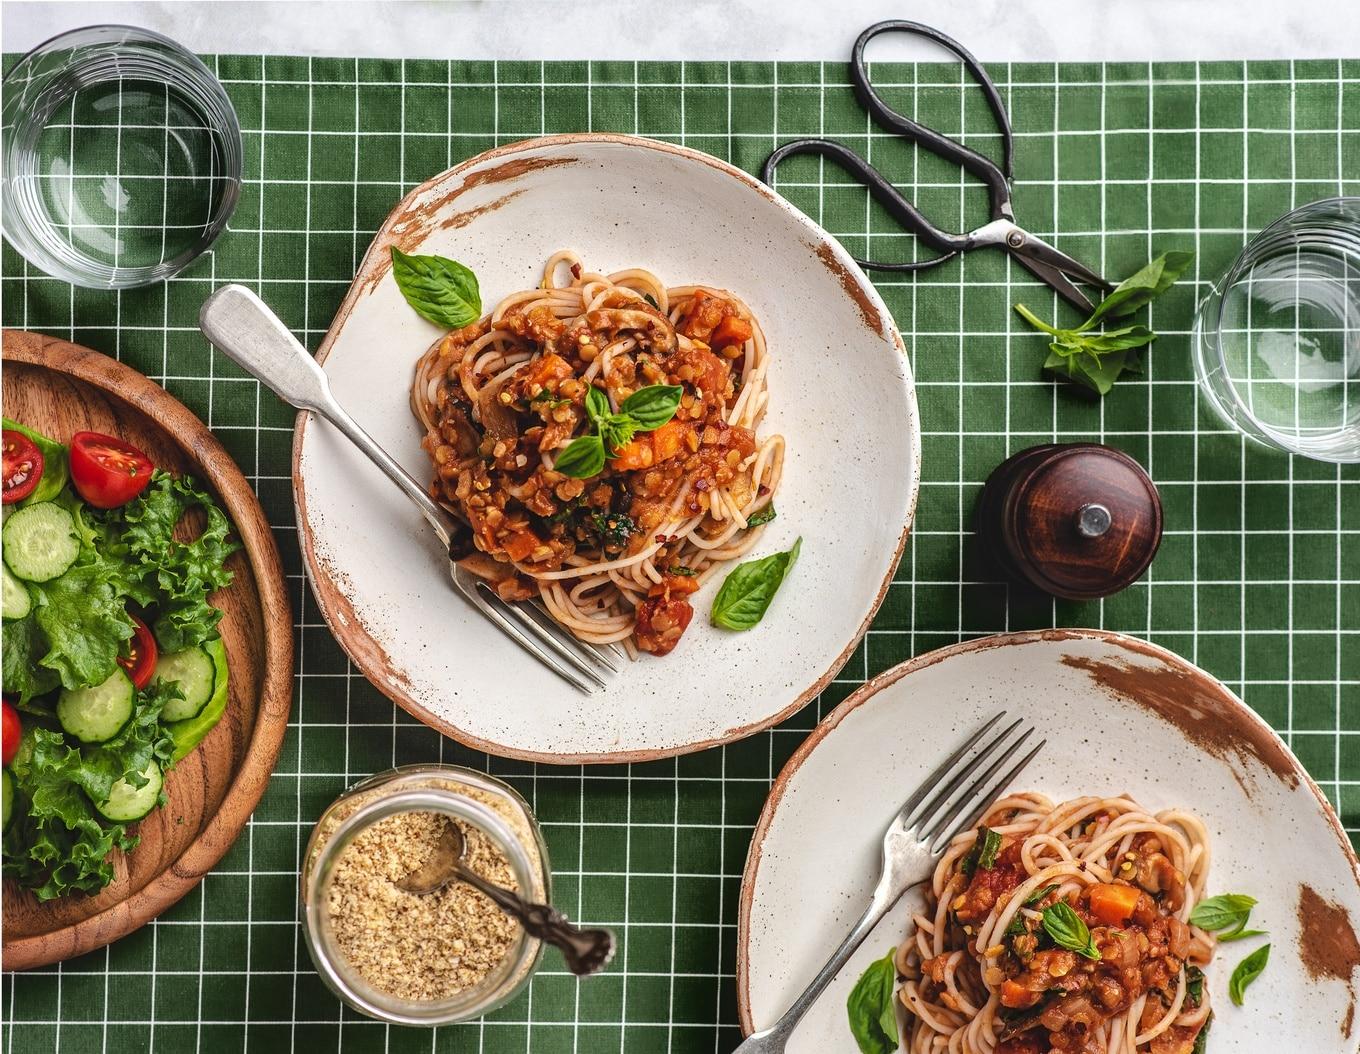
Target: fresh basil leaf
(583, 458)
(441, 290)
(749, 588)
(1017, 925)
(1068, 931)
(1246, 972)
(597, 404)
(872, 1010)
(1203, 1037)
(1152, 281)
(1239, 934)
(682, 571)
(1098, 374)
(653, 406)
(1097, 344)
(1222, 912)
(983, 854)
(1194, 986)
(765, 515)
(651, 300)
(1039, 894)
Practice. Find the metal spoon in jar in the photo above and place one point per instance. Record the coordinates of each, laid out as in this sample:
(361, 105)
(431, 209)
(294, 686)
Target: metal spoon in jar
(586, 951)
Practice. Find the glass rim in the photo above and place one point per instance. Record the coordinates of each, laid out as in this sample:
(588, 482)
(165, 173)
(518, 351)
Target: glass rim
(507, 979)
(1236, 410)
(77, 268)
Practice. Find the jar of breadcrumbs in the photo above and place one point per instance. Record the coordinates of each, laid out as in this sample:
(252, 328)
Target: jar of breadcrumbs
(425, 959)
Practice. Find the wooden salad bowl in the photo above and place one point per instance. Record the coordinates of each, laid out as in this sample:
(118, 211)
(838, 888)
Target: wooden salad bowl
(59, 388)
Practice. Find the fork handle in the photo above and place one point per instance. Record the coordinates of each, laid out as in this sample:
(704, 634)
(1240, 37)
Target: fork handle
(243, 328)
(774, 1039)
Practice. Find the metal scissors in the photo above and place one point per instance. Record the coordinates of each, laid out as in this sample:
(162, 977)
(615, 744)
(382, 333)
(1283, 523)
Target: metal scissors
(1046, 263)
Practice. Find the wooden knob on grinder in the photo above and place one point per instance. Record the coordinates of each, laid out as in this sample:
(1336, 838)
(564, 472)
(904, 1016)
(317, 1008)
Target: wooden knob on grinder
(1077, 520)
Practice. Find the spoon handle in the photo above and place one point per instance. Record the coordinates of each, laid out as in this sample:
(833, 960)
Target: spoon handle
(584, 950)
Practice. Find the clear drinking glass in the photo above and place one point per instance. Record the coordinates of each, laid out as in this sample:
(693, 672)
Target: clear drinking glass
(1277, 340)
(461, 793)
(121, 157)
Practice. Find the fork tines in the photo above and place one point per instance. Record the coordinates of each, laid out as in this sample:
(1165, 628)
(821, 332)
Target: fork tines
(958, 794)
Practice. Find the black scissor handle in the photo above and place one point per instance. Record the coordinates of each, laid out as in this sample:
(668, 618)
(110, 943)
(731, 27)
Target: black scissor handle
(903, 211)
(996, 177)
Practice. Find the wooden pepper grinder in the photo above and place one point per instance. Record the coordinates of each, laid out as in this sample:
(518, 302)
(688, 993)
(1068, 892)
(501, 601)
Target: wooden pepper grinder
(1077, 520)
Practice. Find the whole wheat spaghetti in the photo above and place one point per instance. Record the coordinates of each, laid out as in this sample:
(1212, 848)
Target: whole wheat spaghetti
(983, 972)
(611, 554)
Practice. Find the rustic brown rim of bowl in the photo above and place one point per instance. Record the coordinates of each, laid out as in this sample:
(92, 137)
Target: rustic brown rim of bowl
(365, 652)
(248, 520)
(1234, 707)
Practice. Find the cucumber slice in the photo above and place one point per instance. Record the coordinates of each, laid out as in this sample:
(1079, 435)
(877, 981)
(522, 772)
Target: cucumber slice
(6, 797)
(40, 542)
(94, 715)
(127, 803)
(16, 601)
(188, 734)
(194, 671)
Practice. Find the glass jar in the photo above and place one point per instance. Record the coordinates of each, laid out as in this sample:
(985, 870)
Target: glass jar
(463, 794)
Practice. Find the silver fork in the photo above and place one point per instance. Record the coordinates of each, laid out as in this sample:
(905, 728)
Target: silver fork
(244, 329)
(915, 840)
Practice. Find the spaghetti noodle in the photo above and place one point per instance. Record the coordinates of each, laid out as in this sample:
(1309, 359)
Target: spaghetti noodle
(612, 556)
(984, 973)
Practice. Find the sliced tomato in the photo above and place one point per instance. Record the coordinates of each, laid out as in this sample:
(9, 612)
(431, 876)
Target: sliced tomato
(140, 662)
(107, 471)
(11, 730)
(23, 466)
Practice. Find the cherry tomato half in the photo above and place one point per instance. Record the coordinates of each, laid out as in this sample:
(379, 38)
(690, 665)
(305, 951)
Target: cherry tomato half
(11, 730)
(140, 662)
(23, 466)
(107, 471)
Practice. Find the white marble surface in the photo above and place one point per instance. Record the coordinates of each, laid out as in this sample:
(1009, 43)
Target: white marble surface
(996, 30)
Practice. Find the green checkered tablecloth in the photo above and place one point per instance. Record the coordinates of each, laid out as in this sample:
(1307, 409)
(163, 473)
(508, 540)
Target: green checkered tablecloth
(1258, 578)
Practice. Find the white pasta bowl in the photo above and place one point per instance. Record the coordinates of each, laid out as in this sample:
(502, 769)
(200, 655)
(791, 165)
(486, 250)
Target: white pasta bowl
(841, 394)
(1121, 717)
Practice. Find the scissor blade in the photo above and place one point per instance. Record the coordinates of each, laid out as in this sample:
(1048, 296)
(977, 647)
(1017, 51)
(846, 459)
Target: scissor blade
(1046, 254)
(1055, 279)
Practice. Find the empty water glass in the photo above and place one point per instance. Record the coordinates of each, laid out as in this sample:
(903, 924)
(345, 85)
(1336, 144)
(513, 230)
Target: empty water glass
(121, 155)
(1277, 340)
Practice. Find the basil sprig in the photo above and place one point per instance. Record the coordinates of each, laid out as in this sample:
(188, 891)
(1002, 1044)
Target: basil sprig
(1247, 971)
(749, 588)
(1068, 931)
(872, 1009)
(646, 410)
(1227, 913)
(1096, 360)
(1194, 986)
(441, 290)
(765, 515)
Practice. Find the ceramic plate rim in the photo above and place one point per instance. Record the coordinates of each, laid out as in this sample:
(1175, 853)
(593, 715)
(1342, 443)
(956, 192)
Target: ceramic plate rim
(872, 687)
(327, 590)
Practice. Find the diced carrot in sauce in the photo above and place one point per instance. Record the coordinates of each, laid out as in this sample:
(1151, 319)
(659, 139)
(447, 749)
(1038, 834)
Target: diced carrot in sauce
(732, 330)
(675, 585)
(548, 368)
(520, 544)
(1017, 996)
(634, 455)
(1111, 903)
(668, 441)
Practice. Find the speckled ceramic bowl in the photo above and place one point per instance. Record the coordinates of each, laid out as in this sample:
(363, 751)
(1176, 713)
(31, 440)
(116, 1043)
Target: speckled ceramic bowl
(1120, 715)
(840, 392)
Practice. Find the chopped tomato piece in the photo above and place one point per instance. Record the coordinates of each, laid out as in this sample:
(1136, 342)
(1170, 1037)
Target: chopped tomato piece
(520, 544)
(668, 441)
(106, 471)
(11, 731)
(23, 466)
(1111, 903)
(660, 624)
(634, 455)
(732, 330)
(140, 662)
